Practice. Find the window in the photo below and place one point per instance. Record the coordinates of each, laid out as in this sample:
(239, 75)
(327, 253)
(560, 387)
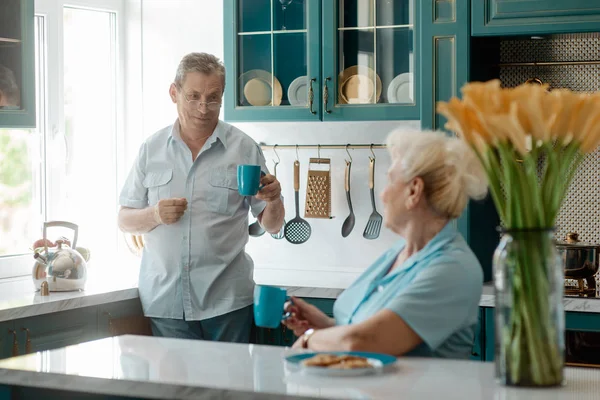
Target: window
(67, 168)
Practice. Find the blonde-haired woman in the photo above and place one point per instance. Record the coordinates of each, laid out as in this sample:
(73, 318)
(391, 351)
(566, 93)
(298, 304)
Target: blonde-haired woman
(421, 297)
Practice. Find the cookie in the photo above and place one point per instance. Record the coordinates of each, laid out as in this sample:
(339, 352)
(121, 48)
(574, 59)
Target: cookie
(352, 364)
(321, 360)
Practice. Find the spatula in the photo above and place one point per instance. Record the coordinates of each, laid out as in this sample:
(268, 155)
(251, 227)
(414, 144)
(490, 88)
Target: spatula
(348, 224)
(297, 231)
(374, 224)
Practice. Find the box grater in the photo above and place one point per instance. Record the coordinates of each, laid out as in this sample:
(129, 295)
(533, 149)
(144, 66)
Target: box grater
(318, 189)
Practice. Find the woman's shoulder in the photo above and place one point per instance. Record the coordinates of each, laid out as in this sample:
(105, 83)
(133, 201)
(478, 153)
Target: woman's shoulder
(457, 257)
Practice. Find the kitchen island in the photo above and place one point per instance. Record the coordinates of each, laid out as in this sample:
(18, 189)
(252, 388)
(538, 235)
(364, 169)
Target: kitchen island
(161, 368)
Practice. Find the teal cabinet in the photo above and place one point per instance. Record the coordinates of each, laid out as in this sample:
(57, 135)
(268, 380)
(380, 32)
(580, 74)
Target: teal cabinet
(51, 331)
(272, 60)
(370, 60)
(489, 332)
(477, 353)
(574, 321)
(17, 69)
(7, 339)
(308, 60)
(444, 56)
(517, 17)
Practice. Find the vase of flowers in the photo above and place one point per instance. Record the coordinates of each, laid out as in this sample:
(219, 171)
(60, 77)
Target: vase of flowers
(530, 143)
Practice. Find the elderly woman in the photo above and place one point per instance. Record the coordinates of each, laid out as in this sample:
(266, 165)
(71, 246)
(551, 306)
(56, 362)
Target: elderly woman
(421, 297)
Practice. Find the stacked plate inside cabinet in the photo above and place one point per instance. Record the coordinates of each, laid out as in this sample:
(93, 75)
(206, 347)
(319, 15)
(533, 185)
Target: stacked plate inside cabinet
(257, 90)
(356, 85)
(298, 91)
(401, 89)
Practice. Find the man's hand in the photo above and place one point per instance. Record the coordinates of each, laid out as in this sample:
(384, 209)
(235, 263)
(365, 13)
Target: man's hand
(271, 190)
(169, 211)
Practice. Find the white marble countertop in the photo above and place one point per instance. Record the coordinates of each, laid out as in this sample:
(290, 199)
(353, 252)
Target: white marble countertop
(19, 299)
(573, 304)
(160, 368)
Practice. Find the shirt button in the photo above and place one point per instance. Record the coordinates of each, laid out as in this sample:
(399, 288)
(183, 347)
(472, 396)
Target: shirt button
(185, 238)
(380, 288)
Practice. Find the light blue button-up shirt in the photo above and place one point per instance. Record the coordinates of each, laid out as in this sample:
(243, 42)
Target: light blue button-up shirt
(436, 291)
(197, 265)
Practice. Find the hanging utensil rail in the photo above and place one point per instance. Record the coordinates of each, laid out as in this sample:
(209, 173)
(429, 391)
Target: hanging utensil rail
(323, 146)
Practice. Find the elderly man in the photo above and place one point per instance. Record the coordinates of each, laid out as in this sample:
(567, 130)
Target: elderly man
(196, 280)
(9, 90)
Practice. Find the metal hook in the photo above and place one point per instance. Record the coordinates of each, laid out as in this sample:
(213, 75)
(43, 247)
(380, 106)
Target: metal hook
(297, 156)
(278, 159)
(349, 155)
(371, 148)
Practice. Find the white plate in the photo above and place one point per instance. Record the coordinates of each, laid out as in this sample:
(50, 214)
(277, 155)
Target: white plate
(377, 361)
(401, 89)
(298, 91)
(256, 88)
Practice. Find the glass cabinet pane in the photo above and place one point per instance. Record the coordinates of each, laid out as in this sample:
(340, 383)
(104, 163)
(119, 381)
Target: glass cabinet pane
(375, 52)
(10, 55)
(254, 15)
(272, 60)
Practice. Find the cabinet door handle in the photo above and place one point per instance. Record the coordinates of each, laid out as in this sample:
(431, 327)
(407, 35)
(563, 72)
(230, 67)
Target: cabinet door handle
(311, 96)
(15, 348)
(326, 95)
(27, 341)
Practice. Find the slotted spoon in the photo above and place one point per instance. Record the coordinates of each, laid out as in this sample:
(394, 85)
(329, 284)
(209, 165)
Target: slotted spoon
(374, 224)
(297, 231)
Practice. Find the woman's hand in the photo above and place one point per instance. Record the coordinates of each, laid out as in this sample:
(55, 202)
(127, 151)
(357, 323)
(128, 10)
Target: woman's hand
(305, 316)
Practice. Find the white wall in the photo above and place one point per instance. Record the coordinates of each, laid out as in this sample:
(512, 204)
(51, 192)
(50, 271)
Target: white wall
(172, 28)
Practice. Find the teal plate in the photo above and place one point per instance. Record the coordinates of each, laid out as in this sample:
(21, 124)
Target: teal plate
(378, 362)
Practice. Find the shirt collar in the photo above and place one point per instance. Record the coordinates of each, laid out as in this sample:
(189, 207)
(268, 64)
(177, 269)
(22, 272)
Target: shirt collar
(447, 233)
(219, 133)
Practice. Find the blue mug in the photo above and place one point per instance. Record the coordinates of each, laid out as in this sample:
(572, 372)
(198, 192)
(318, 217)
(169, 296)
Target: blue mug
(248, 179)
(268, 306)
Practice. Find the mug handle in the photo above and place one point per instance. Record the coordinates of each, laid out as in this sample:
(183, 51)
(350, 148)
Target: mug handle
(260, 187)
(287, 314)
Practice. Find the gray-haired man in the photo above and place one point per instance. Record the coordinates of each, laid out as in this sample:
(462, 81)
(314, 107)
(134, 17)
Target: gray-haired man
(196, 280)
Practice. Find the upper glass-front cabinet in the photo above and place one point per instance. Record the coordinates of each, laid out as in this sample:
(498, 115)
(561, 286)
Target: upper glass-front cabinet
(369, 61)
(17, 79)
(321, 60)
(272, 57)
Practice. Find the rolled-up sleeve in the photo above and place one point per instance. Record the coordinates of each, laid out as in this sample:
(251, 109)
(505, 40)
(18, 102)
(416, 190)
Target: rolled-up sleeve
(134, 194)
(439, 301)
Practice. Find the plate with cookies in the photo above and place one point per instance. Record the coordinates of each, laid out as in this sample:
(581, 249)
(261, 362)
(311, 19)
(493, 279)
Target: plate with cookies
(351, 363)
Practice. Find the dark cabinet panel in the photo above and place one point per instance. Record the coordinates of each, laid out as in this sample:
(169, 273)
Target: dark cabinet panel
(517, 17)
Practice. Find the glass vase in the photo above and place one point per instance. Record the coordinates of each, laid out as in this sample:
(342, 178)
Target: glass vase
(529, 314)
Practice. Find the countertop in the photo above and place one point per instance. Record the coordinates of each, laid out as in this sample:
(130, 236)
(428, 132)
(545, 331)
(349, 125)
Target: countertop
(161, 368)
(19, 299)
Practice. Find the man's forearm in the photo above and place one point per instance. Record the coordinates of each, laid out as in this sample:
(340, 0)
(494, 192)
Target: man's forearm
(137, 221)
(273, 216)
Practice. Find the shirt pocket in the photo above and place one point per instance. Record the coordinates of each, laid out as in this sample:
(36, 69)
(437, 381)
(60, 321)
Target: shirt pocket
(223, 196)
(158, 184)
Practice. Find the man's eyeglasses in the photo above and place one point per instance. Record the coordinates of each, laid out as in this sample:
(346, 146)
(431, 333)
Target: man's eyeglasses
(196, 104)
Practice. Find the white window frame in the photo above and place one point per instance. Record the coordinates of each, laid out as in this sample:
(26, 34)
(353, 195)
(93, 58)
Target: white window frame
(52, 93)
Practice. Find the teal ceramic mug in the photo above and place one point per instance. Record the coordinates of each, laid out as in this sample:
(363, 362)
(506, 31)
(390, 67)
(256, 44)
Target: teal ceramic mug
(268, 306)
(248, 179)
